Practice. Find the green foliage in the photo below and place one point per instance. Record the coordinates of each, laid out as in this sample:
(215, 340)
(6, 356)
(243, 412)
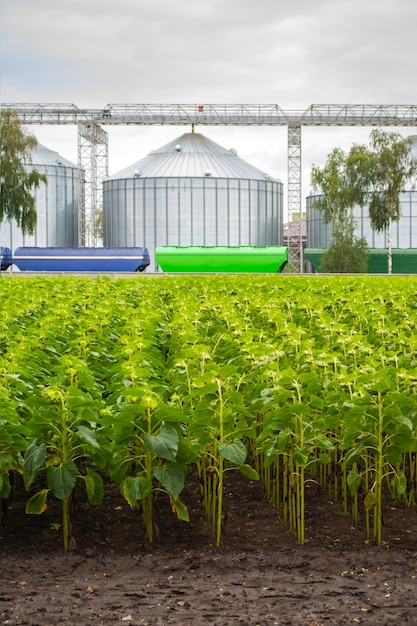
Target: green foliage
(374, 176)
(384, 170)
(347, 254)
(338, 194)
(17, 184)
(145, 382)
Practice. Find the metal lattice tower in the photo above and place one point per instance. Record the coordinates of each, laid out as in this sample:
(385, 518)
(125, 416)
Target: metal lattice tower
(93, 144)
(295, 245)
(93, 161)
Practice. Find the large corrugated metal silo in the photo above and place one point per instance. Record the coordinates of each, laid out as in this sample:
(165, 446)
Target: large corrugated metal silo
(192, 192)
(404, 231)
(56, 204)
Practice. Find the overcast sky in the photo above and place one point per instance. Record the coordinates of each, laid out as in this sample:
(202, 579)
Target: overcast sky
(294, 54)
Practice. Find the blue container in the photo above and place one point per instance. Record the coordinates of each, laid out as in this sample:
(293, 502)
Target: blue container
(6, 259)
(81, 259)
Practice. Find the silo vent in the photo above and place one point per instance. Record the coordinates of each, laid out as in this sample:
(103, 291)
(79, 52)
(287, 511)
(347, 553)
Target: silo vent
(137, 173)
(233, 151)
(178, 148)
(207, 173)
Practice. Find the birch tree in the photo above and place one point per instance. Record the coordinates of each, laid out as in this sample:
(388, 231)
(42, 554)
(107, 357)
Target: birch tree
(17, 183)
(379, 173)
(338, 196)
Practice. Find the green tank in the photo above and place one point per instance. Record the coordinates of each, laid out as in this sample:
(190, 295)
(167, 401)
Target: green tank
(222, 259)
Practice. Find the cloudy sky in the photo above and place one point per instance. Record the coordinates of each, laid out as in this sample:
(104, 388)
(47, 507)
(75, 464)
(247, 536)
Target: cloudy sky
(294, 54)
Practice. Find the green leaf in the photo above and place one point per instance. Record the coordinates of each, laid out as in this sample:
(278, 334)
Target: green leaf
(405, 421)
(61, 479)
(171, 478)
(234, 452)
(403, 439)
(399, 484)
(5, 460)
(5, 487)
(284, 440)
(301, 457)
(94, 487)
(324, 458)
(249, 472)
(180, 509)
(89, 436)
(323, 442)
(164, 444)
(37, 503)
(33, 459)
(352, 456)
(354, 480)
(370, 501)
(393, 455)
(135, 488)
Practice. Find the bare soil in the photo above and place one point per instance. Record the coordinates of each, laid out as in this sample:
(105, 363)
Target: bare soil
(259, 575)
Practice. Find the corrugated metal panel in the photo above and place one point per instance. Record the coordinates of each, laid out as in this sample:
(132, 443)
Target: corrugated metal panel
(56, 204)
(403, 231)
(41, 155)
(193, 156)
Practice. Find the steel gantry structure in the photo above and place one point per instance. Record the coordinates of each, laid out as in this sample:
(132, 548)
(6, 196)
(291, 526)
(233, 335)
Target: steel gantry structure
(93, 139)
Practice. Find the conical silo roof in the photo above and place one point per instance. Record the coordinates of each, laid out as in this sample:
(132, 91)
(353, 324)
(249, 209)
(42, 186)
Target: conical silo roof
(41, 155)
(192, 155)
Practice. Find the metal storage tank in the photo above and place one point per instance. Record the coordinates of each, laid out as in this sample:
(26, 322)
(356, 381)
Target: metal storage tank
(404, 231)
(56, 204)
(192, 192)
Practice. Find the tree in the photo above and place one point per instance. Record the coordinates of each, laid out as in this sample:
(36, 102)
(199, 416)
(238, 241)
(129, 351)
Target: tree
(17, 184)
(339, 195)
(347, 253)
(379, 174)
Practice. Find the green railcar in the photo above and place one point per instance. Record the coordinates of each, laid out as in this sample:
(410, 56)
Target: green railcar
(404, 260)
(222, 259)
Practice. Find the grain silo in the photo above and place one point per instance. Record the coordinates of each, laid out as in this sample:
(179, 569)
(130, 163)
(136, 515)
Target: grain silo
(56, 204)
(403, 232)
(192, 192)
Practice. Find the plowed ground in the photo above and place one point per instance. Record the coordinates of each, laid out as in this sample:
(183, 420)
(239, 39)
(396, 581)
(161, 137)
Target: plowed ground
(259, 575)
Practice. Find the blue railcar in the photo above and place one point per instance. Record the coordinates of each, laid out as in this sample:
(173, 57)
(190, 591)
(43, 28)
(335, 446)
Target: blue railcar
(6, 259)
(78, 259)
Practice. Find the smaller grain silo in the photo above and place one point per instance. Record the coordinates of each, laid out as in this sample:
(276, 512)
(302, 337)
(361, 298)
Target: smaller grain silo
(192, 192)
(403, 233)
(56, 204)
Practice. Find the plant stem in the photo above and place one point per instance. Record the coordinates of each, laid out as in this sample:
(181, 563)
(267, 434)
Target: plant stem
(379, 473)
(147, 501)
(220, 468)
(65, 523)
(220, 502)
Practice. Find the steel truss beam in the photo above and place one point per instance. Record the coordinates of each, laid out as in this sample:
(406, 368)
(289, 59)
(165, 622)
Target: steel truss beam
(93, 145)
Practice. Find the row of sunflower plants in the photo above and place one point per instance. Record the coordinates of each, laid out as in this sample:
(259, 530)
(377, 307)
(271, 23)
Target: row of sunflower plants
(59, 403)
(206, 386)
(151, 451)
